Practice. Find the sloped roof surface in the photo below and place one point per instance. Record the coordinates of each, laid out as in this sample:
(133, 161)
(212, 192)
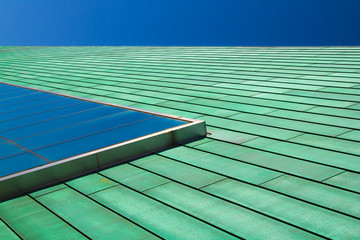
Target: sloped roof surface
(281, 160)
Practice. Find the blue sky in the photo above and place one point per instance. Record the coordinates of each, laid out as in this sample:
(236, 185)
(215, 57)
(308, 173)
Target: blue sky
(180, 23)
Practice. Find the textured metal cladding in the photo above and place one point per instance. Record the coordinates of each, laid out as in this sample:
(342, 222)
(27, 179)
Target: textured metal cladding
(281, 159)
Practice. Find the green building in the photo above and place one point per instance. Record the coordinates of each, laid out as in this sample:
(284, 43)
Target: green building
(281, 159)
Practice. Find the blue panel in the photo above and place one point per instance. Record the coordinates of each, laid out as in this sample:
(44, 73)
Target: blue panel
(37, 128)
(13, 92)
(10, 114)
(4, 87)
(61, 109)
(8, 149)
(107, 138)
(30, 104)
(19, 163)
(24, 98)
(81, 130)
(60, 122)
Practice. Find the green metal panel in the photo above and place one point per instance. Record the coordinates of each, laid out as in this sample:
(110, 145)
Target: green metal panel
(340, 112)
(134, 177)
(318, 118)
(222, 165)
(341, 145)
(355, 106)
(315, 101)
(198, 108)
(333, 198)
(271, 104)
(316, 219)
(228, 216)
(318, 155)
(6, 233)
(284, 133)
(347, 180)
(270, 160)
(32, 221)
(229, 136)
(351, 135)
(250, 128)
(300, 126)
(47, 190)
(181, 172)
(159, 218)
(333, 96)
(91, 183)
(89, 217)
(238, 105)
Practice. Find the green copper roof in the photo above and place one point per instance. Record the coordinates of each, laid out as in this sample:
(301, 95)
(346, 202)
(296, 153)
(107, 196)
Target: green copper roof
(281, 160)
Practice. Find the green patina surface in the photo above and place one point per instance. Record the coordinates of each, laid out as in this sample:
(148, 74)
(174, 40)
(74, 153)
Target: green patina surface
(281, 160)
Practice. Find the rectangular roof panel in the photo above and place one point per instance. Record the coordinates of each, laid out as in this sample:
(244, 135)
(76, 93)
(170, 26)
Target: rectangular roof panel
(47, 137)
